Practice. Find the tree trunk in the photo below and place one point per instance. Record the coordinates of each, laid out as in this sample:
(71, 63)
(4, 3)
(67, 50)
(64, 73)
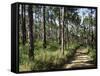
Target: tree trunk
(31, 37)
(62, 31)
(42, 25)
(84, 36)
(59, 26)
(23, 25)
(44, 44)
(67, 37)
(91, 30)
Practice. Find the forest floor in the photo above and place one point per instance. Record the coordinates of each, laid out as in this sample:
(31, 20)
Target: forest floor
(80, 60)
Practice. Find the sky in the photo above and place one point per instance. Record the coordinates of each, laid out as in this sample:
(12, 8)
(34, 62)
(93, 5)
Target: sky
(86, 11)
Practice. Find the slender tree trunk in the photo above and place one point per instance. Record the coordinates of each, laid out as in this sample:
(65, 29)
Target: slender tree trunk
(67, 37)
(42, 25)
(89, 35)
(91, 30)
(92, 40)
(31, 37)
(44, 44)
(84, 36)
(59, 26)
(62, 31)
(23, 25)
(65, 31)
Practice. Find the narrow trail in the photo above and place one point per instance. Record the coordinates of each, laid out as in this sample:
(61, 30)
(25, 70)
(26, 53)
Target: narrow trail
(80, 60)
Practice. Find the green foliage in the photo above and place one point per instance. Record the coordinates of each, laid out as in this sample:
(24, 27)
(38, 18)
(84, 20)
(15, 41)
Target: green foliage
(53, 46)
(47, 26)
(38, 44)
(92, 54)
(23, 51)
(44, 59)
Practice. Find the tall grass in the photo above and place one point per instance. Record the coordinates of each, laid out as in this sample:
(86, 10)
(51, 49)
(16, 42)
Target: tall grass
(92, 54)
(44, 59)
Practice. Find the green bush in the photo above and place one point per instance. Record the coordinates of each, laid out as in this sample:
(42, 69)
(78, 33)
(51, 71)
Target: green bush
(92, 54)
(44, 59)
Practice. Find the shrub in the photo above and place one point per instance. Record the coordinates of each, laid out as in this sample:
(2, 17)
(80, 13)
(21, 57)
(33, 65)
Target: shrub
(92, 54)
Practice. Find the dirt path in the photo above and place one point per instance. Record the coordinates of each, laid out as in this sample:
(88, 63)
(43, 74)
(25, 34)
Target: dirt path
(80, 59)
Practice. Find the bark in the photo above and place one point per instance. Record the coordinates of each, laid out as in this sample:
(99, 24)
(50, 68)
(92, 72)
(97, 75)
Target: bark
(23, 25)
(91, 30)
(67, 37)
(31, 37)
(59, 26)
(62, 31)
(44, 44)
(84, 36)
(42, 25)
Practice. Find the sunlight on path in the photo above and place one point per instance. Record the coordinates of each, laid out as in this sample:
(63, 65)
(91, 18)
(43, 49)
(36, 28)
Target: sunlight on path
(80, 59)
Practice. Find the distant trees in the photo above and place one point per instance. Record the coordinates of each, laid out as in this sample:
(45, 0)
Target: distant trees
(49, 36)
(93, 24)
(63, 26)
(89, 27)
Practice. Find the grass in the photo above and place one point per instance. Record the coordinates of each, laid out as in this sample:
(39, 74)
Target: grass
(44, 59)
(92, 54)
